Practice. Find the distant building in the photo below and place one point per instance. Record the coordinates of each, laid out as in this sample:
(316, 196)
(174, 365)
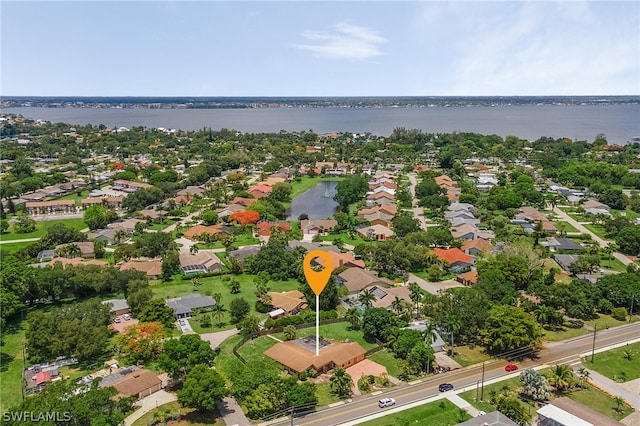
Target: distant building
(183, 306)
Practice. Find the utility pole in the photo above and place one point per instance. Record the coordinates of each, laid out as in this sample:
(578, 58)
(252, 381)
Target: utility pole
(593, 349)
(631, 308)
(482, 388)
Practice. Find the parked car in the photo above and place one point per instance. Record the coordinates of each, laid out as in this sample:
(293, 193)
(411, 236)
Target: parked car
(182, 322)
(511, 367)
(126, 317)
(386, 402)
(117, 319)
(445, 387)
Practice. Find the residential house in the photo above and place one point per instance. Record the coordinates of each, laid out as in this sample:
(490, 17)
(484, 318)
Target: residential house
(477, 247)
(244, 252)
(437, 343)
(129, 186)
(229, 210)
(215, 231)
(76, 261)
(138, 383)
(246, 202)
(459, 221)
(111, 202)
(444, 181)
(259, 191)
(389, 209)
(50, 207)
(567, 412)
(201, 262)
(493, 418)
(455, 207)
(339, 260)
(565, 260)
(152, 268)
(562, 244)
(317, 227)
(382, 197)
(287, 303)
(382, 188)
(299, 355)
(192, 191)
(118, 306)
(598, 211)
(357, 279)
(468, 278)
(153, 214)
(594, 204)
(263, 229)
(388, 183)
(108, 236)
(465, 232)
(385, 296)
(183, 306)
(379, 218)
(375, 232)
(86, 248)
(455, 259)
(127, 225)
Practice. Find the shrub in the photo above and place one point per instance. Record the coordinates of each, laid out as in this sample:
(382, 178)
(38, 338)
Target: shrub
(303, 376)
(313, 373)
(619, 313)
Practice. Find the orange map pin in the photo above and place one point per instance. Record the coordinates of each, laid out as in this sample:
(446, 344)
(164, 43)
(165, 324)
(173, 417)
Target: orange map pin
(317, 279)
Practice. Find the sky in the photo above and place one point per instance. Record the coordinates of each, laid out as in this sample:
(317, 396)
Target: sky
(319, 48)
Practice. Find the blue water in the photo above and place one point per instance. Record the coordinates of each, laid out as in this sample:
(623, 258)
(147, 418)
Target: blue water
(317, 202)
(618, 122)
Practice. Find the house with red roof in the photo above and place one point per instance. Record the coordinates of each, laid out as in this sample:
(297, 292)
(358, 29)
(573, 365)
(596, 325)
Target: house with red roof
(264, 228)
(455, 259)
(260, 191)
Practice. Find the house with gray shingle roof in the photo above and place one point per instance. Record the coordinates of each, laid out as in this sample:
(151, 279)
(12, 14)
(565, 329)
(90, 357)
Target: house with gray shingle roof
(183, 306)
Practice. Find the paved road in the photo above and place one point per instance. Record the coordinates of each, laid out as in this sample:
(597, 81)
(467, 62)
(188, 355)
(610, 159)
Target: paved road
(418, 212)
(26, 240)
(603, 243)
(558, 353)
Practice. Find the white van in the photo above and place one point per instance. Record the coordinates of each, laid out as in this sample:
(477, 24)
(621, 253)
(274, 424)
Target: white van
(386, 402)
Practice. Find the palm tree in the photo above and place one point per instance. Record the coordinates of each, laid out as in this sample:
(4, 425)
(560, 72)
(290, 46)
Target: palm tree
(619, 403)
(584, 375)
(416, 296)
(397, 305)
(609, 251)
(543, 313)
(354, 316)
(366, 298)
(561, 377)
(120, 236)
(194, 249)
(70, 250)
(453, 325)
(340, 382)
(430, 333)
(218, 310)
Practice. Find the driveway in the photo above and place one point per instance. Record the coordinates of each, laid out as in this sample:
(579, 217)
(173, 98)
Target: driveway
(603, 243)
(215, 339)
(185, 326)
(149, 403)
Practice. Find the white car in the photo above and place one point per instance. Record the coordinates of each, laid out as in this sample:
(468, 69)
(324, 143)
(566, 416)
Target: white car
(116, 319)
(386, 402)
(126, 317)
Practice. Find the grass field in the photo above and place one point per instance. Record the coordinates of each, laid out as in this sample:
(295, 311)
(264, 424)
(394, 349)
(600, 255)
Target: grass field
(599, 401)
(611, 263)
(567, 226)
(339, 331)
(306, 183)
(11, 362)
(76, 198)
(188, 416)
(438, 413)
(213, 285)
(324, 394)
(14, 247)
(387, 359)
(596, 229)
(563, 333)
(612, 363)
(162, 225)
(344, 237)
(465, 355)
(41, 229)
(246, 239)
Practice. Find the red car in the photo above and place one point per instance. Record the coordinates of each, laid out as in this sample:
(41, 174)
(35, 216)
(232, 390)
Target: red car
(511, 367)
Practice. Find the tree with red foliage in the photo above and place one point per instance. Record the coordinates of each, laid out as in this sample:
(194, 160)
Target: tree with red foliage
(245, 218)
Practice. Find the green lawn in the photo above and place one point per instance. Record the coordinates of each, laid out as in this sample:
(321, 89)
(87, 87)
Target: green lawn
(11, 362)
(596, 229)
(510, 385)
(41, 229)
(605, 321)
(466, 355)
(426, 276)
(339, 331)
(439, 413)
(612, 363)
(567, 226)
(324, 394)
(245, 239)
(387, 359)
(84, 194)
(14, 247)
(307, 183)
(611, 263)
(163, 225)
(344, 237)
(213, 285)
(563, 333)
(188, 416)
(600, 401)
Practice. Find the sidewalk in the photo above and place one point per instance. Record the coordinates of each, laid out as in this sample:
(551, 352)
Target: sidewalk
(461, 403)
(149, 403)
(614, 388)
(232, 412)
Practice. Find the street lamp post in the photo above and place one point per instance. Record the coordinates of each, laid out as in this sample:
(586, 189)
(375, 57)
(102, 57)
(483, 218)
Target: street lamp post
(482, 388)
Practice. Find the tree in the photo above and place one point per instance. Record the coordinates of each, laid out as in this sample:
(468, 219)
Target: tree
(24, 224)
(4, 226)
(281, 192)
(511, 407)
(170, 264)
(59, 233)
(78, 330)
(421, 357)
(209, 217)
(628, 239)
(377, 323)
(201, 388)
(239, 308)
(290, 332)
(416, 296)
(535, 385)
(69, 250)
(354, 316)
(138, 295)
(340, 382)
(142, 342)
(218, 310)
(350, 190)
(406, 340)
(245, 218)
(126, 252)
(619, 403)
(561, 377)
(250, 325)
(154, 244)
(95, 217)
(156, 310)
(366, 298)
(453, 324)
(584, 376)
(509, 327)
(404, 224)
(181, 355)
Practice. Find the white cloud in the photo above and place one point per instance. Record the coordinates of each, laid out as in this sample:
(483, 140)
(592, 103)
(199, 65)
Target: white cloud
(346, 41)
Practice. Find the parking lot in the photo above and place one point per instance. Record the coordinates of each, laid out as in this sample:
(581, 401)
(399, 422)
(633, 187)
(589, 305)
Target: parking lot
(121, 326)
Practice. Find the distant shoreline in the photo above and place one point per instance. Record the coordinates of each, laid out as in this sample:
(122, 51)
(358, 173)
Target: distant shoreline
(186, 102)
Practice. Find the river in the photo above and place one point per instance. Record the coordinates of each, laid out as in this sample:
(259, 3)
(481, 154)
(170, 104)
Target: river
(317, 202)
(618, 122)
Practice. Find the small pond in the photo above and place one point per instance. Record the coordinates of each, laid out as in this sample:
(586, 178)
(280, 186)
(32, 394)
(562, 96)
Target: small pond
(317, 202)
